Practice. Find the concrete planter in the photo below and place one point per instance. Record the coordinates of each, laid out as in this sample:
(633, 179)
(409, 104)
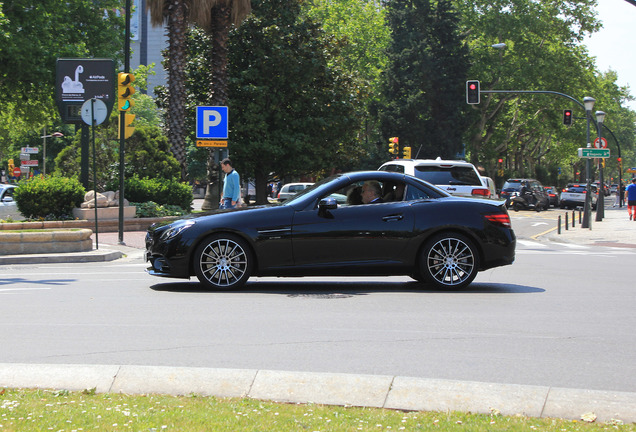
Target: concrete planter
(103, 213)
(45, 241)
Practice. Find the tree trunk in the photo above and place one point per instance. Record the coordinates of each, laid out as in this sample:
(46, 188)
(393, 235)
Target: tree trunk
(175, 115)
(217, 96)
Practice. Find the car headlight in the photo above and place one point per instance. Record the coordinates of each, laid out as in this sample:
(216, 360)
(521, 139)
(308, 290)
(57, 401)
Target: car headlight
(175, 229)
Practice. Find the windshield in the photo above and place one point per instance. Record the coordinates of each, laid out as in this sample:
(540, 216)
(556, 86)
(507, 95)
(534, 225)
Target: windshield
(453, 175)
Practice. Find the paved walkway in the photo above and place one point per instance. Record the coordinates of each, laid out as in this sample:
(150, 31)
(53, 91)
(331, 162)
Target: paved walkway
(393, 392)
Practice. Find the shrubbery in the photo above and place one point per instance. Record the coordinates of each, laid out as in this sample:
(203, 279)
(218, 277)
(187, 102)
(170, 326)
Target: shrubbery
(161, 192)
(49, 198)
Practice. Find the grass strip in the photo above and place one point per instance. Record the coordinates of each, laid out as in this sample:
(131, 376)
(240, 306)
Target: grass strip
(61, 410)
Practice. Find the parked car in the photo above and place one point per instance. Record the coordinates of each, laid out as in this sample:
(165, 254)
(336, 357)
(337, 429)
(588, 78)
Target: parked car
(8, 207)
(574, 196)
(490, 184)
(458, 178)
(290, 189)
(529, 189)
(423, 232)
(613, 188)
(553, 195)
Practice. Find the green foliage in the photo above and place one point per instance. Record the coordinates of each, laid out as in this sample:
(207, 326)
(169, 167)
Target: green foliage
(35, 34)
(45, 197)
(160, 191)
(293, 112)
(152, 209)
(423, 84)
(146, 154)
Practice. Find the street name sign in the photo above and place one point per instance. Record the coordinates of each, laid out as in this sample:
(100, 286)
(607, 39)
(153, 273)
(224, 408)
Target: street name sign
(590, 152)
(29, 150)
(211, 143)
(212, 122)
(29, 163)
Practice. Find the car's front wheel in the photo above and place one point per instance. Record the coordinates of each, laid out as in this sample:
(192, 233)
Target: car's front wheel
(223, 261)
(449, 261)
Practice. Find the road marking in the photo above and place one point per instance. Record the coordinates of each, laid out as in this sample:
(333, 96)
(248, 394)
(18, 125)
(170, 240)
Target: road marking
(22, 289)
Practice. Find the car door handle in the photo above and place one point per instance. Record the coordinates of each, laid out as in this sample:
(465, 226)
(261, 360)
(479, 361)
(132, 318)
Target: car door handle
(392, 218)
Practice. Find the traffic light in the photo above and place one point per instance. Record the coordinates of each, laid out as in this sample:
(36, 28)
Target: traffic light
(567, 117)
(500, 170)
(472, 92)
(125, 90)
(406, 152)
(10, 166)
(393, 145)
(128, 129)
(620, 163)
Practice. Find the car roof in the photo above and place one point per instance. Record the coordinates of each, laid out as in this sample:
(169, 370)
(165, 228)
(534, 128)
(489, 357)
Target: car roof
(426, 162)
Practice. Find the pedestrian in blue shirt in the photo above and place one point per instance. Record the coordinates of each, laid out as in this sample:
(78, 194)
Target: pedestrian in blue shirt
(231, 186)
(630, 197)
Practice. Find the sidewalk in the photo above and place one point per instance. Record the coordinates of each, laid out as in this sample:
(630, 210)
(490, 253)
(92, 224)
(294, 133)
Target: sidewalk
(615, 230)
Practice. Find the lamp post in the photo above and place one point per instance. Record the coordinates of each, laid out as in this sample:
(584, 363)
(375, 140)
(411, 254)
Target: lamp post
(44, 137)
(588, 102)
(600, 204)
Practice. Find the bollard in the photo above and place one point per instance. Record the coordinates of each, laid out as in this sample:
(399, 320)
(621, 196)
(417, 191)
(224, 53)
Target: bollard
(559, 225)
(580, 213)
(567, 223)
(574, 218)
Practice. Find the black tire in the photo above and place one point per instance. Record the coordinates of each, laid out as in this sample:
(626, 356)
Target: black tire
(223, 261)
(517, 206)
(449, 261)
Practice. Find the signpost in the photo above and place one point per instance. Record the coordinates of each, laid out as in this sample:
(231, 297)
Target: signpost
(590, 152)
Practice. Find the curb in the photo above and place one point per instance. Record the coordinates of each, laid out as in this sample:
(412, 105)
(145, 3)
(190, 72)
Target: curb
(378, 391)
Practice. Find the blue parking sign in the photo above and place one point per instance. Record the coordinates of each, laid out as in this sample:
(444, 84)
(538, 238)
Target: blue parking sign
(212, 122)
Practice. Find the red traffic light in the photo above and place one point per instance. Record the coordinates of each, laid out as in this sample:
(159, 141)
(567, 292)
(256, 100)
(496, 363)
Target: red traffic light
(500, 160)
(472, 92)
(567, 117)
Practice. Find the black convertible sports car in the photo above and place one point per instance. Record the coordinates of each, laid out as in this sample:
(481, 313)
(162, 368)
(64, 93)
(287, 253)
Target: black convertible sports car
(418, 230)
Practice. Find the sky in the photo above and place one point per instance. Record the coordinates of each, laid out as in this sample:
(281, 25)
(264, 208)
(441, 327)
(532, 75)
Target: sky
(612, 45)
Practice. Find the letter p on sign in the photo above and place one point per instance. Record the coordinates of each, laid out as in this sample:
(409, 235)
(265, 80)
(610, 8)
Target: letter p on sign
(212, 122)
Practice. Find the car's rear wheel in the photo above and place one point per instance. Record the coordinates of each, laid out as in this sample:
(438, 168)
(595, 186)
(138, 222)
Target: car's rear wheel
(449, 261)
(223, 261)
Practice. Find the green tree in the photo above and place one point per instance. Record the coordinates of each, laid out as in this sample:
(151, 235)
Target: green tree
(360, 31)
(34, 35)
(423, 83)
(543, 52)
(146, 155)
(216, 17)
(292, 113)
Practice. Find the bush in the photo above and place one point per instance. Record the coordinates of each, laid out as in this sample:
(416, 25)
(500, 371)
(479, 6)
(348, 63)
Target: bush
(49, 198)
(152, 209)
(161, 192)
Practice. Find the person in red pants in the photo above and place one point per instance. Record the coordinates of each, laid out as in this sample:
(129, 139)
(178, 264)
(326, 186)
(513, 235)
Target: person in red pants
(630, 197)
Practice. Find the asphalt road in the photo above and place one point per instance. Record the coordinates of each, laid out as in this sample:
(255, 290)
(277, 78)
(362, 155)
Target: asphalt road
(561, 315)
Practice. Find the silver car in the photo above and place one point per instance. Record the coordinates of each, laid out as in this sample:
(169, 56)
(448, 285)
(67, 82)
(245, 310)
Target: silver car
(8, 208)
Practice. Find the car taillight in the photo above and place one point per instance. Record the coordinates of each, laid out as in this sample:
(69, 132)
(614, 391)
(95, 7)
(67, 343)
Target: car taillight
(499, 219)
(482, 192)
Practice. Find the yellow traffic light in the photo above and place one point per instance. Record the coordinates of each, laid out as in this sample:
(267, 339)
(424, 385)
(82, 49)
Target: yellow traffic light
(128, 129)
(406, 152)
(393, 145)
(125, 90)
(10, 166)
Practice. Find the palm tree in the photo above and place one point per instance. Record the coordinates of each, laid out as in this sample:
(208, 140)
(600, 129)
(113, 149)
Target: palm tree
(215, 17)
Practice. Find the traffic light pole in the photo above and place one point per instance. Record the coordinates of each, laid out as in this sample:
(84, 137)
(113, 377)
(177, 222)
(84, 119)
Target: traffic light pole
(122, 128)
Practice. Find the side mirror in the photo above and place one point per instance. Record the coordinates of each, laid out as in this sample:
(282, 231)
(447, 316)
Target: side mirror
(327, 204)
(7, 199)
